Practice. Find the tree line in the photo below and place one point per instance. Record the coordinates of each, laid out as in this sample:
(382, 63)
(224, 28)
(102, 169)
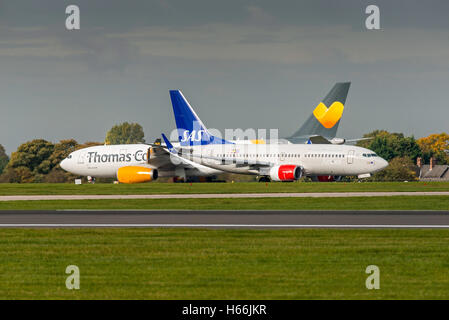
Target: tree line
(38, 160)
(402, 152)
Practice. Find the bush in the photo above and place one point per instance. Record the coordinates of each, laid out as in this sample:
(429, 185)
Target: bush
(56, 176)
(399, 169)
(17, 175)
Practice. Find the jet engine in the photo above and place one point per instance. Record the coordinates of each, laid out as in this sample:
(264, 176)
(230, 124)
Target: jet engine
(135, 174)
(338, 141)
(286, 172)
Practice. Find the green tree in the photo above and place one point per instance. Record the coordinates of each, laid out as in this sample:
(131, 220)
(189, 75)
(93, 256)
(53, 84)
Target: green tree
(17, 175)
(125, 133)
(435, 146)
(391, 145)
(88, 144)
(4, 159)
(33, 156)
(399, 169)
(60, 152)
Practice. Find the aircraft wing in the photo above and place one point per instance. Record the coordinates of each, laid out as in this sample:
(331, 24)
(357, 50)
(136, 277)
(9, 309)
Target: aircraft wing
(164, 160)
(219, 160)
(237, 161)
(322, 140)
(357, 140)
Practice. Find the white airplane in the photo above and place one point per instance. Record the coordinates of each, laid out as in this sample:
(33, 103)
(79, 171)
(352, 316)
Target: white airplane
(276, 161)
(135, 163)
(279, 162)
(130, 163)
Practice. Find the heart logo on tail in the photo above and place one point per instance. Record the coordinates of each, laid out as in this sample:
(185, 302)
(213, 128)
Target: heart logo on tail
(328, 117)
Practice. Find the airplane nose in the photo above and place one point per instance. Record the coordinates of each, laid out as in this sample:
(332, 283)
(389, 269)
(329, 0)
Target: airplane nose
(63, 164)
(383, 164)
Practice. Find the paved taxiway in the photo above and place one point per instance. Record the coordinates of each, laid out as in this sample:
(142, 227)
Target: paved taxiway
(222, 195)
(227, 219)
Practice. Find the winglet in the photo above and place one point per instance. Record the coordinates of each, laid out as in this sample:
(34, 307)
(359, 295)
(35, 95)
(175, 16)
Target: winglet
(168, 144)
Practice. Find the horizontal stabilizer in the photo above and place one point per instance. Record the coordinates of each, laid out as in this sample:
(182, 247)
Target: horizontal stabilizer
(318, 140)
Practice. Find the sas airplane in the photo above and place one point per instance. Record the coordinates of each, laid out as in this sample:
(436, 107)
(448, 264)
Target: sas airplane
(271, 162)
(279, 162)
(136, 163)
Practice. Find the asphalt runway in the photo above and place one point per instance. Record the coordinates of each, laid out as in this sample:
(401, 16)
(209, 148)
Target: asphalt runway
(227, 219)
(222, 195)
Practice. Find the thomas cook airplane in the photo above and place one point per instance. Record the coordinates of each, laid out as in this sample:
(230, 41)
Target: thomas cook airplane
(131, 163)
(136, 163)
(322, 125)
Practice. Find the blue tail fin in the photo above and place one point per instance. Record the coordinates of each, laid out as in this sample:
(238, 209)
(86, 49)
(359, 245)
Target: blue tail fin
(191, 130)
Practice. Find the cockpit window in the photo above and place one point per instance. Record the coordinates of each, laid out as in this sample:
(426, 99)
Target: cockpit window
(368, 155)
(69, 156)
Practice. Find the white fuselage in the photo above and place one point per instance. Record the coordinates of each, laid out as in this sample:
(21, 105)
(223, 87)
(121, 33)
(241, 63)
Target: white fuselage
(316, 160)
(104, 162)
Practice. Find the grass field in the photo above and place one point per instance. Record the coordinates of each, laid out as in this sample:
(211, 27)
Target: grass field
(349, 203)
(223, 264)
(241, 187)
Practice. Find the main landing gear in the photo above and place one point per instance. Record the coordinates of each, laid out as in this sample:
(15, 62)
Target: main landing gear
(264, 179)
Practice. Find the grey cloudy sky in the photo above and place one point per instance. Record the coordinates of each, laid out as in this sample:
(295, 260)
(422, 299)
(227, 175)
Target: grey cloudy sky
(241, 64)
